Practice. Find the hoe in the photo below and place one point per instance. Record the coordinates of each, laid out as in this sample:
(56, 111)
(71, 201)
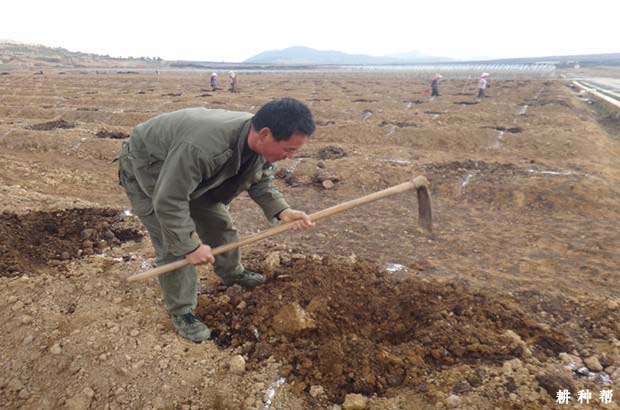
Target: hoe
(425, 220)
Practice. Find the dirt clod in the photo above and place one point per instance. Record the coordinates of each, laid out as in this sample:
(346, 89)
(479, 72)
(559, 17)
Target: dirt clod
(554, 383)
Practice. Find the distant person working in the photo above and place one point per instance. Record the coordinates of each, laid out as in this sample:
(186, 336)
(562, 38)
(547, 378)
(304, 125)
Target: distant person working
(435, 85)
(233, 81)
(482, 85)
(213, 81)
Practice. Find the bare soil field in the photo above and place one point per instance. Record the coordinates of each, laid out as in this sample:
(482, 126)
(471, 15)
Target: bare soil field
(512, 298)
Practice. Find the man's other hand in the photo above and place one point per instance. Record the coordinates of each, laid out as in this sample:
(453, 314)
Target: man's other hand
(203, 254)
(301, 219)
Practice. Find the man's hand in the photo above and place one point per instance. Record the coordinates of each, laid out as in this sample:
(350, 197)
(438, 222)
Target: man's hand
(302, 220)
(203, 254)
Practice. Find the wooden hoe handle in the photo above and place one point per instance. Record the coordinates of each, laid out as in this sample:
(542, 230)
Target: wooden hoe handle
(419, 183)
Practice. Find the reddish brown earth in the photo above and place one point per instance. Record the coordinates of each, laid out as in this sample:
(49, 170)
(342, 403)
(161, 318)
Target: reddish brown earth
(511, 298)
(40, 238)
(370, 332)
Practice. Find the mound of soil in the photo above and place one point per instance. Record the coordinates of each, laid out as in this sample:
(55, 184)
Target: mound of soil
(39, 237)
(355, 328)
(465, 102)
(332, 152)
(399, 124)
(51, 125)
(513, 130)
(111, 134)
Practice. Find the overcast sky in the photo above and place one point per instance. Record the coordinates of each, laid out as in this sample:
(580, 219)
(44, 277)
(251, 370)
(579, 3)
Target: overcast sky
(234, 30)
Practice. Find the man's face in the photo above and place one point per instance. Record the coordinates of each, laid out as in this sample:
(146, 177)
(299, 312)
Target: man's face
(274, 151)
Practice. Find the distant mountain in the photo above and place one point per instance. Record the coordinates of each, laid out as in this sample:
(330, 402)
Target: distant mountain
(306, 55)
(19, 55)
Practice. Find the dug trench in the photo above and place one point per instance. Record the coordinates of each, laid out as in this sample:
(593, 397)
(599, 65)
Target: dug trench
(357, 328)
(33, 240)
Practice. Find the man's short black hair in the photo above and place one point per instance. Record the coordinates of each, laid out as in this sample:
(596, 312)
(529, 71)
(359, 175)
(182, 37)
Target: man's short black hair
(284, 117)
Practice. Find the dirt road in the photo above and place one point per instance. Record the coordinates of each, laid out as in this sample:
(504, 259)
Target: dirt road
(610, 84)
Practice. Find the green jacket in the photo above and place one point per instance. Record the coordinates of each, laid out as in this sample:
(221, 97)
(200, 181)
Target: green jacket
(193, 153)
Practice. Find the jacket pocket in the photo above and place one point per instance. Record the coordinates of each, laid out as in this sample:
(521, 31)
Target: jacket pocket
(217, 162)
(146, 172)
(141, 204)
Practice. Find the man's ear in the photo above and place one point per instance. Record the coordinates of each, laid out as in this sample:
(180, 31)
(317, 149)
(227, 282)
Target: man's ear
(265, 134)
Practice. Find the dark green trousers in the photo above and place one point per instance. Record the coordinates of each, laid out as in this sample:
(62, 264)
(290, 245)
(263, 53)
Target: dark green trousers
(214, 226)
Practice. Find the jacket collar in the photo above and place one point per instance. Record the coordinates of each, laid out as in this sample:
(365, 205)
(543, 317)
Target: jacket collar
(238, 145)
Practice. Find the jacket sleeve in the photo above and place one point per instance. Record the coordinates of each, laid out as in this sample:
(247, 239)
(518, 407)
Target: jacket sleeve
(181, 173)
(267, 195)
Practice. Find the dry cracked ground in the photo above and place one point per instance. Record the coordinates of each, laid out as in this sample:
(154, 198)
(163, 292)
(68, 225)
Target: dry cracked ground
(511, 299)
